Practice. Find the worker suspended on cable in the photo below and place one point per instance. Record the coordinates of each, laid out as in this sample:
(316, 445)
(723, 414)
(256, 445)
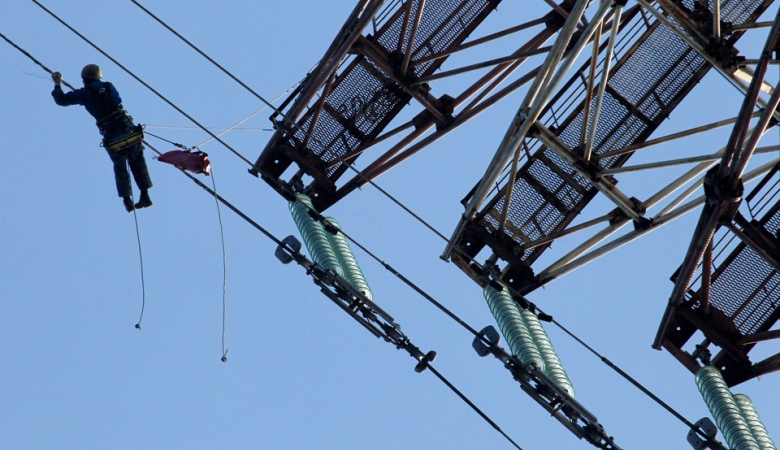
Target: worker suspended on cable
(121, 138)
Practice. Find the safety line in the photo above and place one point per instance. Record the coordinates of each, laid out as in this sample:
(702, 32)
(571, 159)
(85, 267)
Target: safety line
(224, 266)
(141, 258)
(142, 82)
(280, 243)
(176, 127)
(253, 114)
(175, 144)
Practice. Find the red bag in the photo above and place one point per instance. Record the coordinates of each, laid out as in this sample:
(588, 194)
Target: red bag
(196, 162)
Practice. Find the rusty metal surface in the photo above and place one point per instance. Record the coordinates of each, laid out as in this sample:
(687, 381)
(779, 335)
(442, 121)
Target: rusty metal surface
(654, 72)
(364, 97)
(744, 294)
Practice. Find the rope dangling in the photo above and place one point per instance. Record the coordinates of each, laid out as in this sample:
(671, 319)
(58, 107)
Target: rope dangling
(197, 162)
(141, 259)
(224, 268)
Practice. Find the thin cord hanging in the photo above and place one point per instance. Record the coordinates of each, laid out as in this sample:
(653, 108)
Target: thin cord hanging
(34, 60)
(222, 236)
(224, 267)
(141, 258)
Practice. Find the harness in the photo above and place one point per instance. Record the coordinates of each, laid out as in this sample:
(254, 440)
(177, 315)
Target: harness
(136, 137)
(117, 117)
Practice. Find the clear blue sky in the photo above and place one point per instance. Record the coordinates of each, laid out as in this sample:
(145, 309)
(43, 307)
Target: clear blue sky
(75, 373)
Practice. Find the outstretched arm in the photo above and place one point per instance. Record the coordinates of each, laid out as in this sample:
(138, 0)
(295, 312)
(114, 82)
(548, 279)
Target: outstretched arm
(61, 98)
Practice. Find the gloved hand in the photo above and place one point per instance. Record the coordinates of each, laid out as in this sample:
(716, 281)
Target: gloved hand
(57, 78)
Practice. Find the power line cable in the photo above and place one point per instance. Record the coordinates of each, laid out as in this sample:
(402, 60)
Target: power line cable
(207, 57)
(472, 405)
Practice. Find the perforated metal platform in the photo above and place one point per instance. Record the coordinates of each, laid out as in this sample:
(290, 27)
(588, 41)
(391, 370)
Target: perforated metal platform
(656, 69)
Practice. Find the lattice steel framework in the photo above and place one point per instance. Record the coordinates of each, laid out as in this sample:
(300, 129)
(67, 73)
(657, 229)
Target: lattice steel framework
(573, 135)
(364, 81)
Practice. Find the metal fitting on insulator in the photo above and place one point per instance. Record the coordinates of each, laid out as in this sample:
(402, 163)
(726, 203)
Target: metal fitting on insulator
(392, 333)
(423, 364)
(282, 253)
(488, 334)
(708, 428)
(496, 285)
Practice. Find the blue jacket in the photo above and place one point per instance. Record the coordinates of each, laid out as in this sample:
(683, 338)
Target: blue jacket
(97, 105)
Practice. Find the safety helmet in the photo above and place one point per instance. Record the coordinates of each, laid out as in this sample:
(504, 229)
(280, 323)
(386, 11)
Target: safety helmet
(91, 72)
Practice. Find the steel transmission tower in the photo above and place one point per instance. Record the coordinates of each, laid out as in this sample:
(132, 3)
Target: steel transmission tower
(601, 79)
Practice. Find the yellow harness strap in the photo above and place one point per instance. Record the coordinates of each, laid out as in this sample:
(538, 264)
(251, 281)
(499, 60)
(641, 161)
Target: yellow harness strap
(128, 141)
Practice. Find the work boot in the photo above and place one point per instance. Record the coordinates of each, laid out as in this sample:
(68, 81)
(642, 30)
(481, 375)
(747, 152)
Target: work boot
(128, 204)
(144, 201)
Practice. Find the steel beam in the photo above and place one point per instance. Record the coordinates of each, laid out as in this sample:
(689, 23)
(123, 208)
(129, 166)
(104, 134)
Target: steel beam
(574, 260)
(531, 108)
(681, 161)
(602, 184)
(602, 85)
(412, 37)
(482, 40)
(672, 137)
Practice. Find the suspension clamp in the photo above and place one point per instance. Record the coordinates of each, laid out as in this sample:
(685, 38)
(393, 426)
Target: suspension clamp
(709, 428)
(288, 243)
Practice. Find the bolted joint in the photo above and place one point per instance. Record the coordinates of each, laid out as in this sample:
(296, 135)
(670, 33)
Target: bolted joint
(396, 336)
(724, 54)
(642, 223)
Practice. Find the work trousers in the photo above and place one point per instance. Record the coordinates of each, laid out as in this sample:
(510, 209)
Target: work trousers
(135, 157)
